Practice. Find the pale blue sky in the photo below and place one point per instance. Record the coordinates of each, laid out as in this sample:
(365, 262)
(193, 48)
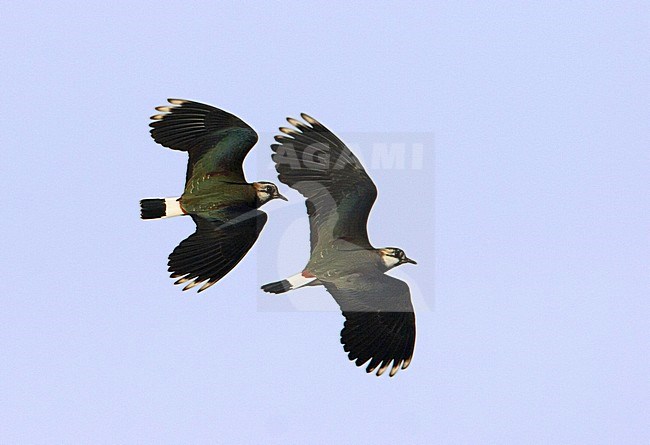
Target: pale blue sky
(534, 269)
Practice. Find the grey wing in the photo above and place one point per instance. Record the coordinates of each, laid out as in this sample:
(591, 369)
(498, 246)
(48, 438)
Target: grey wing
(215, 248)
(379, 320)
(198, 128)
(339, 192)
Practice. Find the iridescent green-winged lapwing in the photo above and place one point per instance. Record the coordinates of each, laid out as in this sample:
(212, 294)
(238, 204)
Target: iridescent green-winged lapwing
(379, 319)
(217, 197)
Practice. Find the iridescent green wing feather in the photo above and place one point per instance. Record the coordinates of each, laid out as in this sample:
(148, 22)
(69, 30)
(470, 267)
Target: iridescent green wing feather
(216, 247)
(217, 142)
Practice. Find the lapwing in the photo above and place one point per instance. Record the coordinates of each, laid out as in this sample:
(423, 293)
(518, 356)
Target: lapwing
(379, 318)
(217, 197)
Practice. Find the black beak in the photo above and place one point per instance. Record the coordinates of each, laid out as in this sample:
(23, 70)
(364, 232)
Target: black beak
(279, 196)
(408, 260)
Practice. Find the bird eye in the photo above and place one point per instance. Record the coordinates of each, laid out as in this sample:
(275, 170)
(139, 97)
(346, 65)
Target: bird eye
(269, 189)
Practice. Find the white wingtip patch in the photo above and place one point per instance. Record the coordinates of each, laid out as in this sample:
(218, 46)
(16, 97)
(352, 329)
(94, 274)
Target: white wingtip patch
(176, 101)
(206, 286)
(383, 368)
(288, 131)
(192, 284)
(309, 119)
(294, 122)
(181, 280)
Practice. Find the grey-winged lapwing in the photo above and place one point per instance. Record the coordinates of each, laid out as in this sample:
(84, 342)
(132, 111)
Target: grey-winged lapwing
(379, 319)
(217, 197)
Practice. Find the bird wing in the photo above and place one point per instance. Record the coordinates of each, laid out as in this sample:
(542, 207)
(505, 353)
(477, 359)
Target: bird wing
(215, 248)
(339, 192)
(379, 320)
(217, 141)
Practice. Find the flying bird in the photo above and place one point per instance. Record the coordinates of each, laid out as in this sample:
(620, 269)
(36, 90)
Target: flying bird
(223, 205)
(379, 318)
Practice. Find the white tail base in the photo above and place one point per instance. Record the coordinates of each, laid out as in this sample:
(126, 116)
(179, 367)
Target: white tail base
(297, 280)
(173, 208)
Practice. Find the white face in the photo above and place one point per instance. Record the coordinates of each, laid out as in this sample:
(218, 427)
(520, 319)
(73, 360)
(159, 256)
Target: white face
(265, 191)
(390, 261)
(392, 256)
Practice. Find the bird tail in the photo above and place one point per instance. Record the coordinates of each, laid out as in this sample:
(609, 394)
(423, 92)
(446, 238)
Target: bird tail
(156, 208)
(293, 282)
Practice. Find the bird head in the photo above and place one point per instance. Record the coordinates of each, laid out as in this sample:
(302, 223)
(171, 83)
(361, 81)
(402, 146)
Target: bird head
(393, 257)
(267, 191)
